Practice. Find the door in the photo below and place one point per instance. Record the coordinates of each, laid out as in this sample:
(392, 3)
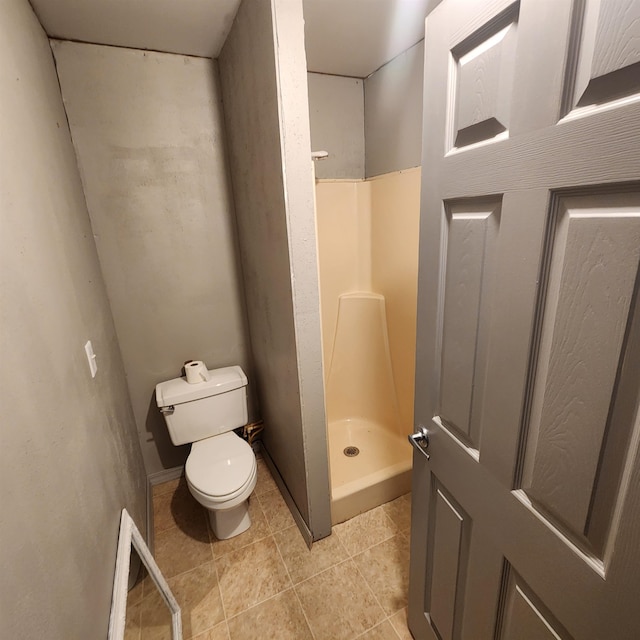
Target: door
(526, 517)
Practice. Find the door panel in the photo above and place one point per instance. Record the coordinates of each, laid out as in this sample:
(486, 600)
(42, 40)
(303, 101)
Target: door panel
(594, 267)
(448, 555)
(471, 229)
(609, 56)
(526, 519)
(524, 617)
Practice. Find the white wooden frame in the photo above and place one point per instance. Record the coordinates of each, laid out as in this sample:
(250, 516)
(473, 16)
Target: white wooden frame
(130, 535)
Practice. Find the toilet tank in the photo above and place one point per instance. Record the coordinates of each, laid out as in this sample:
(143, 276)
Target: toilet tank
(197, 411)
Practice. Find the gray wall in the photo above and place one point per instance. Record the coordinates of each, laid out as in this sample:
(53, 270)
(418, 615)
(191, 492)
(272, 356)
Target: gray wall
(336, 114)
(149, 135)
(393, 114)
(266, 113)
(70, 458)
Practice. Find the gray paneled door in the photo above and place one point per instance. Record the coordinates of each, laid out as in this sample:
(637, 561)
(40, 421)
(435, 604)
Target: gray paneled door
(526, 519)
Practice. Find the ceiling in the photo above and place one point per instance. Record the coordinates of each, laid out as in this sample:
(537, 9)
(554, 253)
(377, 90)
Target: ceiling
(343, 37)
(191, 27)
(356, 37)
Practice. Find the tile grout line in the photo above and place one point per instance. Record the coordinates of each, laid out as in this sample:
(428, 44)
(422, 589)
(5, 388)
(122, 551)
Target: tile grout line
(391, 623)
(394, 525)
(270, 535)
(244, 546)
(204, 515)
(352, 557)
(257, 604)
(315, 575)
(224, 609)
(293, 588)
(215, 566)
(364, 633)
(375, 597)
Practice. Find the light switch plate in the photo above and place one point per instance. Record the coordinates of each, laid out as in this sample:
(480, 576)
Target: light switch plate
(91, 357)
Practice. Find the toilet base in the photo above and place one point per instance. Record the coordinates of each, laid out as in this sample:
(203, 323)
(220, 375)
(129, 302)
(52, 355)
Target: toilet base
(230, 522)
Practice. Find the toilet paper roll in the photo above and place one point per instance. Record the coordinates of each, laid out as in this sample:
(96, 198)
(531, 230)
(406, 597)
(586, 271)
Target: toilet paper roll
(196, 371)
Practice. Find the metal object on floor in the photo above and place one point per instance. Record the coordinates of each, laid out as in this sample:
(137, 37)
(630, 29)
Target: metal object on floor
(351, 452)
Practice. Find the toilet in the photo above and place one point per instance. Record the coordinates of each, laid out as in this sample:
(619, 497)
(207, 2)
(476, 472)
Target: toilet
(221, 470)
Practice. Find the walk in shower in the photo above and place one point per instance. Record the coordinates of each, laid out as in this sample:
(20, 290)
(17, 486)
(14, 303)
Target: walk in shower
(367, 253)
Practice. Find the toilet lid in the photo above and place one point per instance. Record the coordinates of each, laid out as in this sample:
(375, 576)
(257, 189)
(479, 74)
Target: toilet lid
(220, 465)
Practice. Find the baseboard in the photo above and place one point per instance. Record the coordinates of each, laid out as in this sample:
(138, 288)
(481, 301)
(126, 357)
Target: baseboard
(297, 516)
(158, 478)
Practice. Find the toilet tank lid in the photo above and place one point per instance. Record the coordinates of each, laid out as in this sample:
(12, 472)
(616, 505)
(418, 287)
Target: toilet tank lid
(178, 390)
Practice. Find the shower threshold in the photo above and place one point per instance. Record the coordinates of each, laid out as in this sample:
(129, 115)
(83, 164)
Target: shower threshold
(379, 473)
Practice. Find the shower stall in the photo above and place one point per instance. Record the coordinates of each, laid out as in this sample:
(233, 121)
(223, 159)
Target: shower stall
(367, 252)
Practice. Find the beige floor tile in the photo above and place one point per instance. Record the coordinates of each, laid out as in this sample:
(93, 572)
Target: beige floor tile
(280, 617)
(219, 632)
(176, 508)
(135, 593)
(385, 567)
(250, 575)
(133, 620)
(198, 595)
(303, 563)
(258, 530)
(383, 631)
(155, 618)
(399, 622)
(338, 603)
(265, 481)
(399, 511)
(177, 551)
(276, 511)
(365, 530)
(165, 487)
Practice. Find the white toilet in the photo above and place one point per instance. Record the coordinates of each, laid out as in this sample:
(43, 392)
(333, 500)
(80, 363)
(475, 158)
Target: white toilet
(221, 470)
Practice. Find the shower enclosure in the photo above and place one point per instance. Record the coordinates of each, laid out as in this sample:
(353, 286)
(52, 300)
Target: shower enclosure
(367, 253)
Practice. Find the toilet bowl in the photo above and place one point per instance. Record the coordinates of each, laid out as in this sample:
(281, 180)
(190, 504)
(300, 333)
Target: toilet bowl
(221, 474)
(221, 470)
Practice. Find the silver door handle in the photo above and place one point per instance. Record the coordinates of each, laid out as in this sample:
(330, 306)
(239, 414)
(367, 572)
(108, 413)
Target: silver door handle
(420, 440)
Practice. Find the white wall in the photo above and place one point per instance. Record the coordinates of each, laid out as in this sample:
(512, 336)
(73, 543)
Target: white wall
(70, 458)
(393, 114)
(265, 100)
(149, 134)
(336, 113)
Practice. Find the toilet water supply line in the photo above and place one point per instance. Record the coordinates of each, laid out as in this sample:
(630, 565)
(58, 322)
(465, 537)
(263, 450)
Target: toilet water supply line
(250, 431)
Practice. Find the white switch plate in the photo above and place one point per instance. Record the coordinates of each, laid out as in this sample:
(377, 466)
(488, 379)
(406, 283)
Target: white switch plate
(91, 357)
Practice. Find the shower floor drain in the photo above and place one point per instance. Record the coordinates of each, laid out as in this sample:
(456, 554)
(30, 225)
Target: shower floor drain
(351, 451)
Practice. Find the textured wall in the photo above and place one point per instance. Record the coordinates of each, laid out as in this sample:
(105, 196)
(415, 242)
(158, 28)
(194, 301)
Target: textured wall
(393, 114)
(336, 113)
(149, 134)
(70, 457)
(265, 104)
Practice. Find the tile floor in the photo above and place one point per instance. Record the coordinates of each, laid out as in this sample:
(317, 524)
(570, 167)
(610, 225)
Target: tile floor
(265, 583)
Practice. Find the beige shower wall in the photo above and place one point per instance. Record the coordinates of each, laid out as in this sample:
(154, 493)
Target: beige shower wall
(395, 222)
(70, 458)
(149, 135)
(368, 241)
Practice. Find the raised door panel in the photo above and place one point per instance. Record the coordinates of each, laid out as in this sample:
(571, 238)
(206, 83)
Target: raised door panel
(524, 616)
(472, 231)
(608, 64)
(590, 289)
(484, 79)
(446, 560)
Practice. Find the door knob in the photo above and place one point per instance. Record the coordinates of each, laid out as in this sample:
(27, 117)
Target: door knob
(420, 440)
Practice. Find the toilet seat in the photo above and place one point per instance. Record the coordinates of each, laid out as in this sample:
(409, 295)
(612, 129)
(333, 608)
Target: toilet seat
(221, 470)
